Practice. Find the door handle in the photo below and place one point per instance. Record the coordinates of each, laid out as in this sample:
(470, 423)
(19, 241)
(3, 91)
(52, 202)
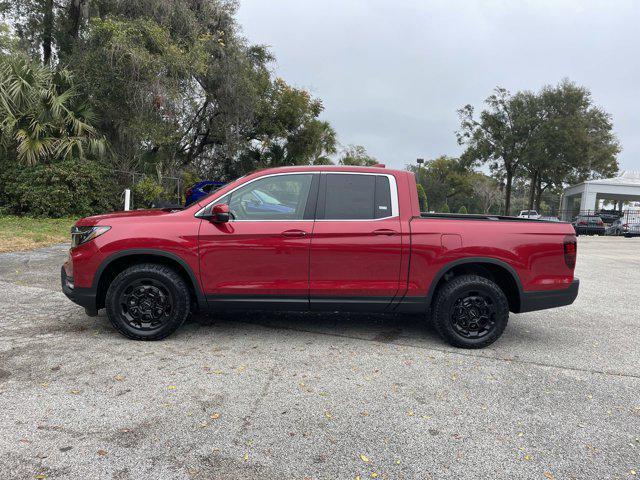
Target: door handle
(385, 231)
(294, 233)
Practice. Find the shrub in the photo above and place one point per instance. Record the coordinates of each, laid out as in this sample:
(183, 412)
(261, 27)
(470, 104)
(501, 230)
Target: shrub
(422, 199)
(463, 210)
(445, 208)
(146, 192)
(66, 188)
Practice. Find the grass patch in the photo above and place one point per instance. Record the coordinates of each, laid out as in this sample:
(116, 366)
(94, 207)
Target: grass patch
(24, 233)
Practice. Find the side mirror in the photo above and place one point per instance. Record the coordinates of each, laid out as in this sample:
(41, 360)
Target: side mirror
(220, 213)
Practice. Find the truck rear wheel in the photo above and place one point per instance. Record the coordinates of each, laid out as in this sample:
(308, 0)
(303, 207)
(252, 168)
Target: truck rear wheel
(148, 301)
(470, 311)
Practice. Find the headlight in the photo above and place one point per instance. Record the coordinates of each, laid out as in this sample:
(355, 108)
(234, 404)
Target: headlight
(80, 235)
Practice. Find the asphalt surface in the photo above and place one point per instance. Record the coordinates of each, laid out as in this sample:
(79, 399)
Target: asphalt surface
(321, 396)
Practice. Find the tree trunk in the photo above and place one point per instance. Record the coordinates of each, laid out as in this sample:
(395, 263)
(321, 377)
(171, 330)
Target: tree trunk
(77, 12)
(47, 31)
(539, 191)
(507, 192)
(532, 189)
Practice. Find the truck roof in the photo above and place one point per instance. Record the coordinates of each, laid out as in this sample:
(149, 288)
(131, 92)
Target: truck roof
(331, 168)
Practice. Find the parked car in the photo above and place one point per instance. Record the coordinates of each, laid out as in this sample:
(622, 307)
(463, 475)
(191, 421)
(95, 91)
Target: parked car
(609, 216)
(589, 225)
(549, 219)
(340, 239)
(616, 228)
(631, 229)
(200, 190)
(529, 214)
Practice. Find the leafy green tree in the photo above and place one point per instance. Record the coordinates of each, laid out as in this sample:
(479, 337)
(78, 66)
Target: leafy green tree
(422, 199)
(445, 209)
(463, 210)
(43, 117)
(501, 135)
(356, 155)
(574, 141)
(446, 180)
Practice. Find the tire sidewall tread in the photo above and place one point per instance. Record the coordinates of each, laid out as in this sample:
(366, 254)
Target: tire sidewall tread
(446, 295)
(172, 281)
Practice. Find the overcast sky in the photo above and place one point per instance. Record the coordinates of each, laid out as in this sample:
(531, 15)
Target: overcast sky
(391, 74)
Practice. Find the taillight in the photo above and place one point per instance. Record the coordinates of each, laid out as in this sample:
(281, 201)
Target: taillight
(188, 192)
(625, 226)
(570, 252)
(600, 223)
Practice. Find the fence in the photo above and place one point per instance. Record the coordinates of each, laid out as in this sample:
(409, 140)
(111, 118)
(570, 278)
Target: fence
(608, 216)
(172, 189)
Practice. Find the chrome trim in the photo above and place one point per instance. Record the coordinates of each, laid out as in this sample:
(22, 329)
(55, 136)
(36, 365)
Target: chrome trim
(395, 212)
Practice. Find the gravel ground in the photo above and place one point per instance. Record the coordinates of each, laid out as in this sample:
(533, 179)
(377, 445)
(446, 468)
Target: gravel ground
(300, 396)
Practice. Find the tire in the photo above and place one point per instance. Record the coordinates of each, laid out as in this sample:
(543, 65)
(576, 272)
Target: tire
(148, 301)
(475, 301)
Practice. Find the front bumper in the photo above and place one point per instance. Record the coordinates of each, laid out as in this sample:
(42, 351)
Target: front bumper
(532, 301)
(85, 297)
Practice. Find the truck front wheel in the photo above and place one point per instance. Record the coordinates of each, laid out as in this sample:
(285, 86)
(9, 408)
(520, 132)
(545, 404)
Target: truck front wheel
(470, 311)
(147, 301)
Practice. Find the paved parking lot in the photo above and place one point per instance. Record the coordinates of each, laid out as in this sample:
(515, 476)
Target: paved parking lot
(334, 396)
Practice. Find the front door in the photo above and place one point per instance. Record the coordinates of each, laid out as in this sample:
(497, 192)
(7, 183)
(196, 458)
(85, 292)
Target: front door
(356, 246)
(260, 258)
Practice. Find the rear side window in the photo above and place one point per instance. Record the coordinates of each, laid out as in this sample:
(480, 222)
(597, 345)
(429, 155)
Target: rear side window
(356, 197)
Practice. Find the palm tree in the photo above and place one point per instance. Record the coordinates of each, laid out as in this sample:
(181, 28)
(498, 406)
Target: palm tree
(42, 116)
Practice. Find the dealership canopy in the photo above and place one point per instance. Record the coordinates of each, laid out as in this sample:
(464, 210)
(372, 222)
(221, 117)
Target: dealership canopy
(623, 188)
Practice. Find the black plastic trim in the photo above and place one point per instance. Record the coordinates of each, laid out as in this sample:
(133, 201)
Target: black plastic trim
(350, 304)
(532, 301)
(442, 272)
(261, 302)
(202, 302)
(298, 303)
(85, 297)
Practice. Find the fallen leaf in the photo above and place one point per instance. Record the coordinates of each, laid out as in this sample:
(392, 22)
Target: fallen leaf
(217, 372)
(374, 475)
(397, 462)
(172, 387)
(632, 472)
(528, 457)
(119, 377)
(549, 475)
(45, 385)
(364, 458)
(75, 392)
(41, 475)
(246, 457)
(102, 453)
(328, 414)
(215, 416)
(410, 413)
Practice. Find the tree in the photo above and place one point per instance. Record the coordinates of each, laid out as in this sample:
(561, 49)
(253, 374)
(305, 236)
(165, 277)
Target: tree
(573, 143)
(487, 191)
(501, 135)
(422, 199)
(356, 155)
(463, 210)
(447, 181)
(43, 118)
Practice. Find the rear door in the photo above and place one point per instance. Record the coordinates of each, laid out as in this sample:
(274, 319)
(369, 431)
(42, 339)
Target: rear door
(356, 245)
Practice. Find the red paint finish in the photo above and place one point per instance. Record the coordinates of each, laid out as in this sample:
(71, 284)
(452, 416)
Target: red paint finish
(395, 258)
(356, 258)
(255, 258)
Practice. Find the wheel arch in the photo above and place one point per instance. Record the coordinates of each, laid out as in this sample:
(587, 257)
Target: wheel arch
(118, 262)
(498, 271)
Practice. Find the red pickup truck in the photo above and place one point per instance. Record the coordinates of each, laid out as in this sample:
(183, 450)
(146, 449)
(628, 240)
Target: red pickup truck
(319, 239)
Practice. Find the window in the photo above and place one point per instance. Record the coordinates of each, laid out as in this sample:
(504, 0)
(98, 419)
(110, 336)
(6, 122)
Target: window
(357, 197)
(281, 197)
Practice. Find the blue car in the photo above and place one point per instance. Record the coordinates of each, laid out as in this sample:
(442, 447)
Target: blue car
(201, 189)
